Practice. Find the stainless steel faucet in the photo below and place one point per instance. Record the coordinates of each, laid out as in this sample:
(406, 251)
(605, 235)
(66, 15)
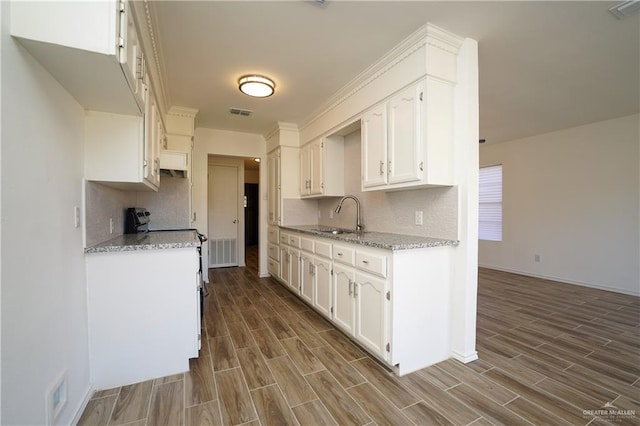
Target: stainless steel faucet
(359, 225)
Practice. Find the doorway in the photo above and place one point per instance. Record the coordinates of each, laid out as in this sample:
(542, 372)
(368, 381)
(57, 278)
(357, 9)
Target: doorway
(223, 218)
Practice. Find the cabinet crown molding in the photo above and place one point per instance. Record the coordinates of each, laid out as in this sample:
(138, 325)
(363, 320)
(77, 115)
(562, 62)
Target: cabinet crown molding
(428, 34)
(182, 112)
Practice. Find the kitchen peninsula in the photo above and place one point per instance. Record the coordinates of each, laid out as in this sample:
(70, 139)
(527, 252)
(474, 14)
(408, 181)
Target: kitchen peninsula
(144, 306)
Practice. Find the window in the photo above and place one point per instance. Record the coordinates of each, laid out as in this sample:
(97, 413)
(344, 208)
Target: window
(490, 208)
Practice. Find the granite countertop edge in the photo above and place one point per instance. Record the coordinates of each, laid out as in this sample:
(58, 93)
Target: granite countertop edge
(147, 241)
(383, 240)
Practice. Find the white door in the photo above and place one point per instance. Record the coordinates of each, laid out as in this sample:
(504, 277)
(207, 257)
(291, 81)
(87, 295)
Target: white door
(223, 215)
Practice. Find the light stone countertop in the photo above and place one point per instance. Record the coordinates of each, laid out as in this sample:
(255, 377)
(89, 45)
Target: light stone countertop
(381, 240)
(159, 240)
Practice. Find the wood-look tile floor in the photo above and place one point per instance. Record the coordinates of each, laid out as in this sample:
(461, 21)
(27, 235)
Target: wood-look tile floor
(548, 352)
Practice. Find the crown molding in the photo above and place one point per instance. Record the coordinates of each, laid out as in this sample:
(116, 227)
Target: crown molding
(428, 34)
(179, 111)
(278, 127)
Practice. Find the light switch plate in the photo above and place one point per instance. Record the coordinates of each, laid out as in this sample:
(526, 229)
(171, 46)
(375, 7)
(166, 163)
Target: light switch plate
(419, 217)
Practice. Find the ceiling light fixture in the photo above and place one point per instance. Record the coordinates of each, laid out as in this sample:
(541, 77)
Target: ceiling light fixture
(626, 8)
(257, 86)
(257, 160)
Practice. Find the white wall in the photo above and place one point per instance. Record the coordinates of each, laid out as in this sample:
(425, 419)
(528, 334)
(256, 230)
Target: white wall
(571, 196)
(221, 142)
(43, 308)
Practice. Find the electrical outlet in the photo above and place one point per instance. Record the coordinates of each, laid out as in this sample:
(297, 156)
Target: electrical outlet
(536, 257)
(419, 217)
(76, 216)
(111, 225)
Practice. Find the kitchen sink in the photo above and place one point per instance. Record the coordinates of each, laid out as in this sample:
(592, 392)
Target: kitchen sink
(334, 231)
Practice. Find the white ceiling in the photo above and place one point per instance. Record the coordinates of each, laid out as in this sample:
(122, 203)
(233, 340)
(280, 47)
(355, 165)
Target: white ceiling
(543, 66)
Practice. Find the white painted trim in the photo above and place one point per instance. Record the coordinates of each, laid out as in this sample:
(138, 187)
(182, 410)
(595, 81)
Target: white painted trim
(561, 280)
(264, 275)
(465, 359)
(83, 405)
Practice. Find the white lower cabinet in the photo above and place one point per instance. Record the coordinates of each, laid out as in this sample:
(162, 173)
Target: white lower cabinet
(143, 313)
(294, 270)
(322, 295)
(285, 265)
(344, 304)
(371, 313)
(395, 304)
(307, 277)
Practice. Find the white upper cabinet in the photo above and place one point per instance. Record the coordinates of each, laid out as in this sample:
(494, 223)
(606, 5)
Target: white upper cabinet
(322, 168)
(84, 45)
(405, 136)
(407, 141)
(374, 147)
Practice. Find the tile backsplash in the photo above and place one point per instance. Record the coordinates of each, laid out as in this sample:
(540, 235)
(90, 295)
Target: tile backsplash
(169, 207)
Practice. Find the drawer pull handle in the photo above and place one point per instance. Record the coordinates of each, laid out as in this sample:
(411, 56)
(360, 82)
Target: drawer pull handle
(339, 254)
(366, 262)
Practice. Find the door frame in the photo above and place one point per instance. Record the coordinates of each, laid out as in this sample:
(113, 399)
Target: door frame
(237, 162)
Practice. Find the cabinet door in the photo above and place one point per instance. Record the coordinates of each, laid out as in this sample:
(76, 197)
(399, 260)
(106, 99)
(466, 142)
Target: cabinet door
(322, 296)
(372, 313)
(285, 265)
(149, 137)
(404, 143)
(294, 270)
(273, 190)
(307, 275)
(133, 60)
(316, 161)
(305, 171)
(344, 305)
(374, 147)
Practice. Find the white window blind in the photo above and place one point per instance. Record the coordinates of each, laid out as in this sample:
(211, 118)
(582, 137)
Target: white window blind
(490, 208)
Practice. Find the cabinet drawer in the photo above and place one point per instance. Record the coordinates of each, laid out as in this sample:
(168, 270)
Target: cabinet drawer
(273, 251)
(323, 249)
(294, 241)
(344, 255)
(370, 262)
(274, 236)
(306, 244)
(284, 238)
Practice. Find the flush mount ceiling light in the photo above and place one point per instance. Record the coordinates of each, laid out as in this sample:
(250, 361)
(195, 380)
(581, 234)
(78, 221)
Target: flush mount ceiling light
(626, 8)
(257, 86)
(257, 160)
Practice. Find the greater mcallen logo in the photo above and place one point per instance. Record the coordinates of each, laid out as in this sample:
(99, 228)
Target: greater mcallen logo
(610, 412)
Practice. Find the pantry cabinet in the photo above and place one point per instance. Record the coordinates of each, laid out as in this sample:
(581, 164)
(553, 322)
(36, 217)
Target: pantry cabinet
(407, 141)
(273, 187)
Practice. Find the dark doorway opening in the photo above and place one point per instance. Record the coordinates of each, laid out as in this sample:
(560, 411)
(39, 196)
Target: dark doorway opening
(251, 212)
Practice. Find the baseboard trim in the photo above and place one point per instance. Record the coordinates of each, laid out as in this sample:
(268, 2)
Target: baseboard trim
(264, 275)
(465, 359)
(562, 280)
(83, 405)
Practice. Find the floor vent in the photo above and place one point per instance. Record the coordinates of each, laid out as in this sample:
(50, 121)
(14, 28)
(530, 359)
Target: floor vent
(240, 112)
(222, 252)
